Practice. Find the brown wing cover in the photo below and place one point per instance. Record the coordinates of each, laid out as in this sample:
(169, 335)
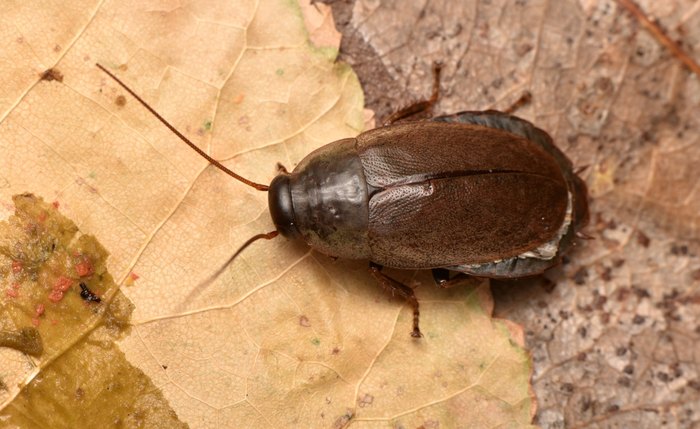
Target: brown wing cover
(414, 152)
(458, 194)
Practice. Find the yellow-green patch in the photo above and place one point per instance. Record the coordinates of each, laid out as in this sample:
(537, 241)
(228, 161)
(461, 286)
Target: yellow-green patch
(82, 378)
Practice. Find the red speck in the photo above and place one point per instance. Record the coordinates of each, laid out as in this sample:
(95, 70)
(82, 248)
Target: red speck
(55, 296)
(40, 308)
(42, 217)
(55, 204)
(35, 321)
(84, 267)
(16, 267)
(134, 276)
(54, 322)
(15, 285)
(12, 293)
(62, 284)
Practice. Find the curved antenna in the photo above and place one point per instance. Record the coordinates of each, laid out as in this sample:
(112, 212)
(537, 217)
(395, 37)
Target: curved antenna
(251, 240)
(220, 166)
(202, 285)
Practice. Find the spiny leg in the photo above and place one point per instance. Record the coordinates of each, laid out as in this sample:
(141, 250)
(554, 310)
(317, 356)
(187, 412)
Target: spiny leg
(401, 290)
(443, 280)
(524, 99)
(420, 106)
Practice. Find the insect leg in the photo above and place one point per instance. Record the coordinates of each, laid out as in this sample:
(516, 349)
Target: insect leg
(420, 106)
(443, 280)
(401, 290)
(524, 100)
(281, 168)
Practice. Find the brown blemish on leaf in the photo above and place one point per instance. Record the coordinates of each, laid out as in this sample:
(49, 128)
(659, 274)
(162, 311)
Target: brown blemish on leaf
(120, 101)
(26, 340)
(580, 276)
(52, 74)
(365, 401)
(343, 420)
(304, 321)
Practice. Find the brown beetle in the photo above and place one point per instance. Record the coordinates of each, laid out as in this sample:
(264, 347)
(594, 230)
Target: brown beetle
(482, 193)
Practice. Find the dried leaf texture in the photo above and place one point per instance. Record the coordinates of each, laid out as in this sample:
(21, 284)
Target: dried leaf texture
(615, 342)
(285, 337)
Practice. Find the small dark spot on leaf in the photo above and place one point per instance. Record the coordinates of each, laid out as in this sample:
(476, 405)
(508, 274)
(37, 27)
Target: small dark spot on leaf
(567, 387)
(164, 366)
(52, 74)
(695, 384)
(586, 403)
(582, 331)
(628, 369)
(679, 250)
(580, 276)
(620, 351)
(663, 377)
(643, 239)
(638, 320)
(640, 292)
(120, 100)
(523, 48)
(581, 356)
(335, 350)
(548, 285)
(79, 393)
(624, 381)
(304, 321)
(613, 409)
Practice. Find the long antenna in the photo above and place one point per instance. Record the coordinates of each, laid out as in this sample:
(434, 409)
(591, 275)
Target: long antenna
(220, 166)
(202, 285)
(251, 240)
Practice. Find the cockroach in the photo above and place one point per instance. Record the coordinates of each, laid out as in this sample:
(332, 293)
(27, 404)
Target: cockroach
(481, 193)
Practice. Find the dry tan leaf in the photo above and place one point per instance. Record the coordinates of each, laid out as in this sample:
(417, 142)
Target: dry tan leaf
(286, 337)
